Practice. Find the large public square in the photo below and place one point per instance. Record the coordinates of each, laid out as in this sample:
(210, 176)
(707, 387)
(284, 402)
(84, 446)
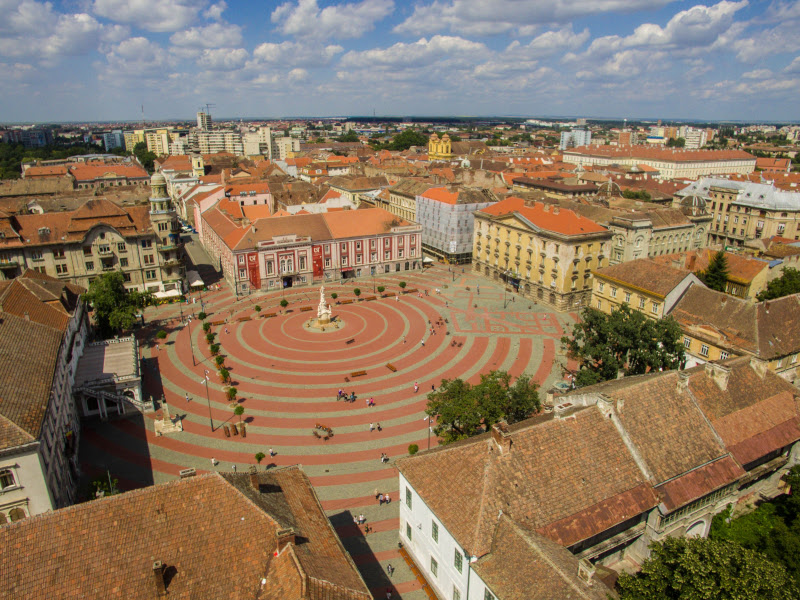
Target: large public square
(288, 376)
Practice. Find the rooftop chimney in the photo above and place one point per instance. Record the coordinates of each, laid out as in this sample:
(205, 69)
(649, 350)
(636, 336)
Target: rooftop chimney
(759, 366)
(586, 570)
(285, 537)
(158, 579)
(683, 381)
(501, 437)
(719, 373)
(254, 479)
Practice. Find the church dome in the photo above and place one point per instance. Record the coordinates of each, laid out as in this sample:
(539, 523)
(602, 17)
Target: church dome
(157, 179)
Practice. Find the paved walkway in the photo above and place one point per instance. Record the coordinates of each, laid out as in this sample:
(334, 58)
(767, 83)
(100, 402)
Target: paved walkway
(287, 377)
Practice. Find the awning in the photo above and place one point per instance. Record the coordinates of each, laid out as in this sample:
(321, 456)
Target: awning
(427, 259)
(169, 294)
(194, 279)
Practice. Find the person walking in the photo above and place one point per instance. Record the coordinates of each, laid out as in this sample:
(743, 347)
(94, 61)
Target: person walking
(371, 427)
(379, 426)
(187, 398)
(390, 569)
(234, 468)
(423, 342)
(213, 462)
(380, 500)
(271, 453)
(416, 386)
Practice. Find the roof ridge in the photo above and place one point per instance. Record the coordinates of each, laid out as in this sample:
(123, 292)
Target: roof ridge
(15, 426)
(487, 476)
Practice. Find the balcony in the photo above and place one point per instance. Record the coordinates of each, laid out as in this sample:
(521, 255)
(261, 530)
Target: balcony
(9, 263)
(172, 262)
(102, 251)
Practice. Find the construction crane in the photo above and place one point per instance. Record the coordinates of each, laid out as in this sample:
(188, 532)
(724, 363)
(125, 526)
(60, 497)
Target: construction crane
(209, 106)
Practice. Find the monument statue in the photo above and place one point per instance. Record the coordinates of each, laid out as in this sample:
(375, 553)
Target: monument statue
(324, 309)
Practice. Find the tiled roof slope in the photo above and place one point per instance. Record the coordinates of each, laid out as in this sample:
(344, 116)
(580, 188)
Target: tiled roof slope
(646, 275)
(778, 326)
(599, 484)
(28, 355)
(541, 215)
(214, 543)
(17, 300)
(313, 226)
(653, 153)
(367, 221)
(543, 570)
(740, 268)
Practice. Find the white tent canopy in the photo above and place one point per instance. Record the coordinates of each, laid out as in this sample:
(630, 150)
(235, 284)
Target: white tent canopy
(194, 279)
(427, 260)
(169, 294)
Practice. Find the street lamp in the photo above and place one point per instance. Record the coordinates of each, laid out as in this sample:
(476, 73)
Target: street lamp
(208, 399)
(191, 344)
(505, 288)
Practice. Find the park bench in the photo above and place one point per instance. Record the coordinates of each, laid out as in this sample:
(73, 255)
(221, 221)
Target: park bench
(358, 373)
(346, 302)
(350, 341)
(267, 315)
(368, 298)
(306, 308)
(186, 473)
(217, 323)
(240, 319)
(391, 367)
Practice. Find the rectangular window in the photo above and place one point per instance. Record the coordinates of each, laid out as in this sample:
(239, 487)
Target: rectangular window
(487, 595)
(242, 274)
(58, 254)
(600, 287)
(435, 531)
(687, 342)
(163, 226)
(641, 302)
(271, 267)
(434, 567)
(723, 355)
(302, 263)
(327, 262)
(148, 259)
(145, 244)
(344, 247)
(126, 277)
(61, 269)
(400, 253)
(387, 255)
(599, 303)
(104, 248)
(344, 261)
(655, 308)
(150, 274)
(121, 247)
(358, 259)
(241, 259)
(704, 350)
(7, 479)
(358, 245)
(458, 560)
(613, 292)
(408, 531)
(374, 257)
(794, 359)
(89, 265)
(627, 297)
(36, 255)
(408, 498)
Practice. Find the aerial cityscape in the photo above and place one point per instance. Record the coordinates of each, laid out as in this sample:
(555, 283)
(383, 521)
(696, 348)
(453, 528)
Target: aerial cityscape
(450, 300)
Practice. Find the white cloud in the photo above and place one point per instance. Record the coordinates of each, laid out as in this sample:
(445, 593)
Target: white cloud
(778, 40)
(419, 53)
(549, 43)
(794, 66)
(215, 35)
(624, 65)
(296, 54)
(305, 18)
(757, 74)
(152, 15)
(134, 61)
(482, 17)
(296, 75)
(222, 59)
(214, 12)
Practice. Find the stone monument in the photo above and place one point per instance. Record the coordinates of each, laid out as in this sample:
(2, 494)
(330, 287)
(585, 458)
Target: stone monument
(324, 309)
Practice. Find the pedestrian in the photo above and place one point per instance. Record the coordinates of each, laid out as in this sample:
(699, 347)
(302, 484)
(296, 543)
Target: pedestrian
(380, 500)
(352, 396)
(379, 426)
(387, 498)
(397, 297)
(187, 398)
(388, 593)
(226, 330)
(271, 453)
(445, 303)
(433, 389)
(371, 427)
(377, 493)
(416, 386)
(404, 339)
(234, 468)
(157, 348)
(390, 569)
(213, 462)
(423, 343)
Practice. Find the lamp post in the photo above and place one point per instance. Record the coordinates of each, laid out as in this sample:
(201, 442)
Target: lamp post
(191, 344)
(208, 399)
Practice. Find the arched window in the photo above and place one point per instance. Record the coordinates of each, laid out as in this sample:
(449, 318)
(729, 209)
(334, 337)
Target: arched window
(7, 479)
(16, 514)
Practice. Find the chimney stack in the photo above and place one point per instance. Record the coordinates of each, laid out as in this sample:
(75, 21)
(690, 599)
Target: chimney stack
(683, 381)
(759, 366)
(254, 479)
(501, 437)
(158, 579)
(719, 373)
(285, 537)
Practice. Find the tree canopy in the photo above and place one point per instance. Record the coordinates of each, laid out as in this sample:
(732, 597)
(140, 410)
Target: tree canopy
(704, 569)
(13, 155)
(787, 283)
(463, 409)
(350, 136)
(114, 306)
(637, 195)
(678, 142)
(145, 156)
(716, 274)
(406, 139)
(625, 340)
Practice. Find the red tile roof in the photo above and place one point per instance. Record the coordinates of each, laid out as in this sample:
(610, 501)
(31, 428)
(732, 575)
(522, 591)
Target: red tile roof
(654, 153)
(92, 171)
(699, 482)
(55, 171)
(367, 221)
(541, 215)
(741, 269)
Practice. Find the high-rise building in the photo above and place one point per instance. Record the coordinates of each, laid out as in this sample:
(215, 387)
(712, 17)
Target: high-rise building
(112, 140)
(574, 138)
(203, 121)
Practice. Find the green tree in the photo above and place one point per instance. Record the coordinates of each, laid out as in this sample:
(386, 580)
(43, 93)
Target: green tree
(144, 156)
(703, 569)
(637, 195)
(224, 375)
(162, 335)
(357, 292)
(214, 348)
(463, 410)
(624, 341)
(239, 411)
(284, 303)
(787, 283)
(381, 289)
(219, 360)
(231, 393)
(402, 285)
(350, 136)
(413, 449)
(260, 456)
(210, 338)
(206, 327)
(406, 139)
(334, 295)
(257, 308)
(202, 316)
(114, 307)
(678, 142)
(716, 275)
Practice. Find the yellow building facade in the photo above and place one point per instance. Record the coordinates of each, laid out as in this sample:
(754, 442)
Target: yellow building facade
(439, 148)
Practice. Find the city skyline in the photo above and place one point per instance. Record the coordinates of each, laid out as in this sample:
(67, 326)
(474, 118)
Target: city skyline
(105, 59)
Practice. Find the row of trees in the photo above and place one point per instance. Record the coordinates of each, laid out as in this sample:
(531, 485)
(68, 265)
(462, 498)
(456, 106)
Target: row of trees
(13, 155)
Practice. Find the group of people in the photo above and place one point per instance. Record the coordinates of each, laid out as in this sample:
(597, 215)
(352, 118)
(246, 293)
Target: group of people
(374, 426)
(384, 457)
(342, 395)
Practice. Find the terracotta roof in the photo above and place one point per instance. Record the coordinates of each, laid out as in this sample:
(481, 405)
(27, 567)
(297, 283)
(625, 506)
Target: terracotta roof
(741, 269)
(238, 189)
(527, 565)
(178, 162)
(358, 183)
(28, 356)
(368, 221)
(779, 326)
(655, 153)
(699, 482)
(599, 485)
(540, 215)
(313, 226)
(91, 171)
(255, 212)
(644, 274)
(55, 171)
(226, 555)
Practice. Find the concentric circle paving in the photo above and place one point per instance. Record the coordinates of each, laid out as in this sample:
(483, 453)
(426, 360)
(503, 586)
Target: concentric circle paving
(288, 376)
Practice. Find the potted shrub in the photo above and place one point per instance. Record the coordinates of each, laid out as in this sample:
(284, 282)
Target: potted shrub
(239, 411)
(219, 360)
(381, 289)
(413, 449)
(225, 375)
(206, 327)
(210, 338)
(161, 334)
(402, 285)
(284, 303)
(357, 292)
(334, 295)
(257, 308)
(214, 348)
(231, 393)
(202, 316)
(260, 456)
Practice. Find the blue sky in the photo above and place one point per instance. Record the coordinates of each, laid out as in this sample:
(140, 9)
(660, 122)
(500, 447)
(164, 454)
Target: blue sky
(103, 59)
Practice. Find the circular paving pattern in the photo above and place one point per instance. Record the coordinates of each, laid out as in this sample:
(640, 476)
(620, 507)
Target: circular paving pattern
(287, 377)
